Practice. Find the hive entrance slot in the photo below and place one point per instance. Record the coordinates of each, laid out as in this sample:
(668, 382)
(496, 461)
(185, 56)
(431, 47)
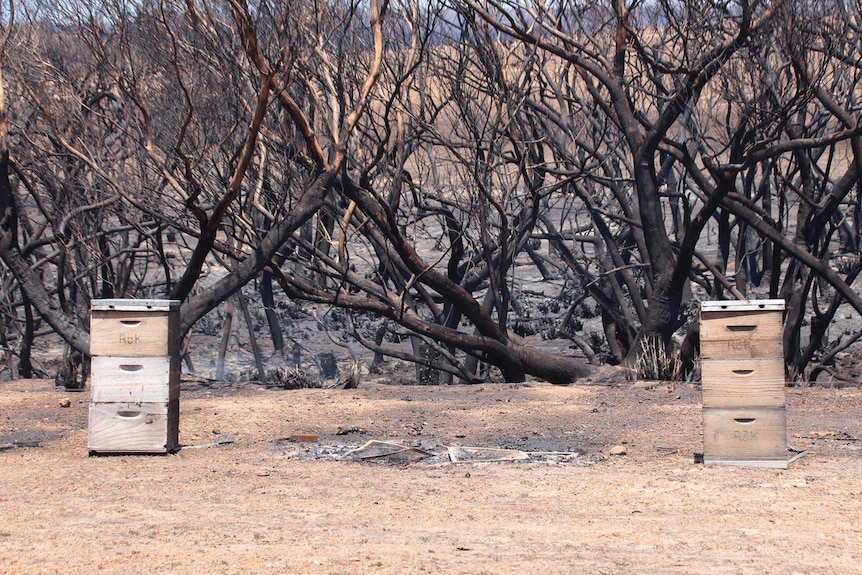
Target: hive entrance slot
(131, 367)
(742, 327)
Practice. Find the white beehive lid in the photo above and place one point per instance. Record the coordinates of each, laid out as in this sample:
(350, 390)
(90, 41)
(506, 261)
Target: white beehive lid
(743, 305)
(134, 304)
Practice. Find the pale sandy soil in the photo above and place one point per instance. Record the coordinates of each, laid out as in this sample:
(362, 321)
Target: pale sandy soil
(259, 505)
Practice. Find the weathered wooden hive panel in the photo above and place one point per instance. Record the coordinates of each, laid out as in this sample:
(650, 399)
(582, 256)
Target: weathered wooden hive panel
(743, 383)
(131, 329)
(743, 436)
(138, 379)
(145, 427)
(734, 332)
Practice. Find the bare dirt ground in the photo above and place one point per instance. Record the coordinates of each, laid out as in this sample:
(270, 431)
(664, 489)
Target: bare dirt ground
(266, 504)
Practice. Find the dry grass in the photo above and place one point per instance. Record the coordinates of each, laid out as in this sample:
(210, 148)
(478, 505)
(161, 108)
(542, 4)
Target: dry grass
(293, 378)
(657, 362)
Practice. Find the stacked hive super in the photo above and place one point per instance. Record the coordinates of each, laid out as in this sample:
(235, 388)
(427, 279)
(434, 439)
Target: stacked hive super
(135, 376)
(742, 366)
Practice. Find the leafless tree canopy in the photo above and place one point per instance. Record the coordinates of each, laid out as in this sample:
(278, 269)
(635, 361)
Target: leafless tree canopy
(418, 166)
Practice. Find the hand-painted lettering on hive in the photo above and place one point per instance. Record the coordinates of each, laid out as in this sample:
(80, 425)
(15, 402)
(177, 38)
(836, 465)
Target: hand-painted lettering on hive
(130, 338)
(741, 343)
(745, 436)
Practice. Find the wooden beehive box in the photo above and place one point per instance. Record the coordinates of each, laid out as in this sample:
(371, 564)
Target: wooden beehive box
(135, 376)
(742, 368)
(139, 427)
(134, 328)
(741, 329)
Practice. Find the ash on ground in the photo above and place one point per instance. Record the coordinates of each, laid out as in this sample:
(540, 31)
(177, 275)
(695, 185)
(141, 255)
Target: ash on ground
(437, 455)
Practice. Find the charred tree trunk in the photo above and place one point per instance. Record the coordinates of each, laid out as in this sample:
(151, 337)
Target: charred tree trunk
(8, 209)
(252, 337)
(272, 320)
(225, 341)
(25, 363)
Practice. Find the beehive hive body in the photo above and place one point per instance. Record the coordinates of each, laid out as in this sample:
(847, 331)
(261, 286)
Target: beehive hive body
(742, 367)
(135, 385)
